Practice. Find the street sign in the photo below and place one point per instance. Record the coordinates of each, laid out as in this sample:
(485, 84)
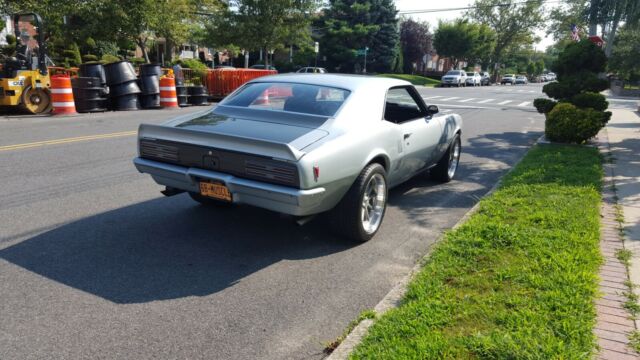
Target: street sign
(596, 40)
(317, 47)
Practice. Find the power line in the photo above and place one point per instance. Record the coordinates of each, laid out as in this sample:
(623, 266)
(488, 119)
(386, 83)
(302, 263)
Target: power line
(425, 11)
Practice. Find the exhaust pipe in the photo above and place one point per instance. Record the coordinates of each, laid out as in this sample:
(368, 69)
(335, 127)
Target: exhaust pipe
(169, 191)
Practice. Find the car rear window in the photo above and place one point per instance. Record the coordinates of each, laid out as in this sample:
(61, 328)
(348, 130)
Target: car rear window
(299, 98)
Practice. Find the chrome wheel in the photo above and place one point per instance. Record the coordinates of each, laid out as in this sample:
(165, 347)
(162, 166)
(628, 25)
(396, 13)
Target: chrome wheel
(373, 203)
(454, 158)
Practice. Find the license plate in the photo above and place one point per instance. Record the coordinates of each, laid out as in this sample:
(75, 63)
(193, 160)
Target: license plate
(215, 190)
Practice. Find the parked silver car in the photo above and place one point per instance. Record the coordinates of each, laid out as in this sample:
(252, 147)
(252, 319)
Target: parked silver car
(305, 144)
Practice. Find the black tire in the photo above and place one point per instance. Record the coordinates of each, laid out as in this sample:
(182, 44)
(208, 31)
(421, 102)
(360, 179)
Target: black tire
(209, 202)
(441, 172)
(346, 217)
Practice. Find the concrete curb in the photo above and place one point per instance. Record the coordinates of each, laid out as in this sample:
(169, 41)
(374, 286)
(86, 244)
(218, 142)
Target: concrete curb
(394, 297)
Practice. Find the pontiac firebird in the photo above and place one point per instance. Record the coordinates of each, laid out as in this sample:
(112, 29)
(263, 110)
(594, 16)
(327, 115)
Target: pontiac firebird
(305, 144)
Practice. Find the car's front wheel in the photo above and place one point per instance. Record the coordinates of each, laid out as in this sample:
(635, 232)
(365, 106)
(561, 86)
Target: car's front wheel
(446, 168)
(359, 214)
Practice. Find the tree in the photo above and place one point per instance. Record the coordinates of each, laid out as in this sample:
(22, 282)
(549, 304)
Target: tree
(268, 25)
(531, 69)
(415, 41)
(452, 40)
(352, 25)
(561, 18)
(539, 67)
(624, 58)
(461, 40)
(512, 21)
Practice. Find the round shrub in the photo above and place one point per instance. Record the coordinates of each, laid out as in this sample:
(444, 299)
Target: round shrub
(566, 123)
(590, 100)
(580, 56)
(89, 58)
(544, 105)
(109, 58)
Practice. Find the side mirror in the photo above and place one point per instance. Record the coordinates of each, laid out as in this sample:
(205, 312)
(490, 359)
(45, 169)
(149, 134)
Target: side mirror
(432, 109)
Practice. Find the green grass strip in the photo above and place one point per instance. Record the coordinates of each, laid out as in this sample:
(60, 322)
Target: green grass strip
(414, 79)
(516, 281)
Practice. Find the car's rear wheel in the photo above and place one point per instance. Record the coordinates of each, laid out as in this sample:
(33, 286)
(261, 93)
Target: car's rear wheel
(446, 168)
(359, 214)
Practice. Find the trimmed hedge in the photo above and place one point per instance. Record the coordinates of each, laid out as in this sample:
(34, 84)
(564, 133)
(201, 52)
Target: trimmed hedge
(590, 100)
(544, 105)
(569, 124)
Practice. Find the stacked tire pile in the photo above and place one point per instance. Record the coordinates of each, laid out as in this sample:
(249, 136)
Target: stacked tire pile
(90, 89)
(123, 85)
(197, 95)
(150, 86)
(183, 95)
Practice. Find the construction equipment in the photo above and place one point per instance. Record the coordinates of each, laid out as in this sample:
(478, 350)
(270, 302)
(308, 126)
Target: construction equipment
(24, 79)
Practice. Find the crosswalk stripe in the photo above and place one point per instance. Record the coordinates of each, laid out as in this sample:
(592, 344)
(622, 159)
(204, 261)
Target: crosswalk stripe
(451, 98)
(433, 97)
(485, 101)
(466, 100)
(526, 103)
(505, 102)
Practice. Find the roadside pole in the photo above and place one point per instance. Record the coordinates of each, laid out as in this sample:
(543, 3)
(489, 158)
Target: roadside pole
(317, 50)
(366, 48)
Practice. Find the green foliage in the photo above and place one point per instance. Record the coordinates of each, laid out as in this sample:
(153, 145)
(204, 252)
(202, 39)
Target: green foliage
(136, 61)
(106, 48)
(579, 58)
(513, 22)
(572, 85)
(518, 280)
(590, 100)
(624, 60)
(11, 39)
(196, 65)
(544, 105)
(539, 67)
(108, 58)
(531, 69)
(352, 25)
(461, 40)
(72, 55)
(569, 124)
(89, 58)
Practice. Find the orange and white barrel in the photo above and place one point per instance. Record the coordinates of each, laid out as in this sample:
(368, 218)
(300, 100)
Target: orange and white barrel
(168, 96)
(62, 95)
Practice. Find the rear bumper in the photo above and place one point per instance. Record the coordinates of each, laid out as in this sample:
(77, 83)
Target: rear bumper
(272, 197)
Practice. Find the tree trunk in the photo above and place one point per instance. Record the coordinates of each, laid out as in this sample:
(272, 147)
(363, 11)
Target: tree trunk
(612, 35)
(266, 58)
(143, 46)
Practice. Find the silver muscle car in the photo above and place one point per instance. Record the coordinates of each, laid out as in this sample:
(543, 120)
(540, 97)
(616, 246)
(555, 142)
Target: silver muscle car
(303, 145)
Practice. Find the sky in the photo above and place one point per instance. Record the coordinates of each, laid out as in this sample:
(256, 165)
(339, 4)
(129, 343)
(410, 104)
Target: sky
(432, 18)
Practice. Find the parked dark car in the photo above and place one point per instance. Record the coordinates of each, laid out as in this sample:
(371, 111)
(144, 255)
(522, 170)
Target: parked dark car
(262, 67)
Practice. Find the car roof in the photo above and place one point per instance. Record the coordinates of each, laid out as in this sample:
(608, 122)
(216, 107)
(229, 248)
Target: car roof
(343, 81)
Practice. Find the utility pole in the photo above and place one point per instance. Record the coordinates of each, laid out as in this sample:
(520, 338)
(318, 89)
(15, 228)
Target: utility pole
(316, 48)
(365, 59)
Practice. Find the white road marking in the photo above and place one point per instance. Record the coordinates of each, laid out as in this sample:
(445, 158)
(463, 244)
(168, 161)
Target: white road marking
(450, 98)
(466, 100)
(446, 111)
(505, 102)
(485, 101)
(526, 103)
(432, 97)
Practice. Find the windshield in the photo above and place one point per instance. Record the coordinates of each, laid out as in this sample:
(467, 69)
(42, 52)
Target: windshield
(300, 98)
(509, 75)
(470, 74)
(453, 72)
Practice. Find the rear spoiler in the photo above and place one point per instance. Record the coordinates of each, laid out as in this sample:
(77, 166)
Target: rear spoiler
(277, 150)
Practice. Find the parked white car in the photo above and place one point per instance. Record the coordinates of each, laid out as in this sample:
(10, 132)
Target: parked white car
(454, 78)
(473, 79)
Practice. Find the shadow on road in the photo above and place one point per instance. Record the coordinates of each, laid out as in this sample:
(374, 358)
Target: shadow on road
(168, 248)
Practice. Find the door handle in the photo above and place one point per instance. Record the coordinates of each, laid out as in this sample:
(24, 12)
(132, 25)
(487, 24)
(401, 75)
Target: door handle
(406, 136)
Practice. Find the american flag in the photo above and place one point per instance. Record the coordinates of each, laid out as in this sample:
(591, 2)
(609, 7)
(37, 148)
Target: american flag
(575, 36)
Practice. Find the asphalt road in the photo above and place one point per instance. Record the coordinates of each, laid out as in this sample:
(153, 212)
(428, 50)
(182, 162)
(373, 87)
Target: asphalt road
(96, 263)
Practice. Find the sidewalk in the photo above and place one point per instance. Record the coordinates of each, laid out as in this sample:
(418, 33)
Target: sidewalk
(622, 183)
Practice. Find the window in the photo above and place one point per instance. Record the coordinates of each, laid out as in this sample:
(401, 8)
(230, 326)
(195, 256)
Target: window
(402, 106)
(300, 98)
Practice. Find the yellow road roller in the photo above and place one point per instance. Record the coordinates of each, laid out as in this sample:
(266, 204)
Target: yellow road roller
(24, 79)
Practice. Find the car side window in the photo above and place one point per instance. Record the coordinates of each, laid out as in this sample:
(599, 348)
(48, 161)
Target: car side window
(401, 106)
